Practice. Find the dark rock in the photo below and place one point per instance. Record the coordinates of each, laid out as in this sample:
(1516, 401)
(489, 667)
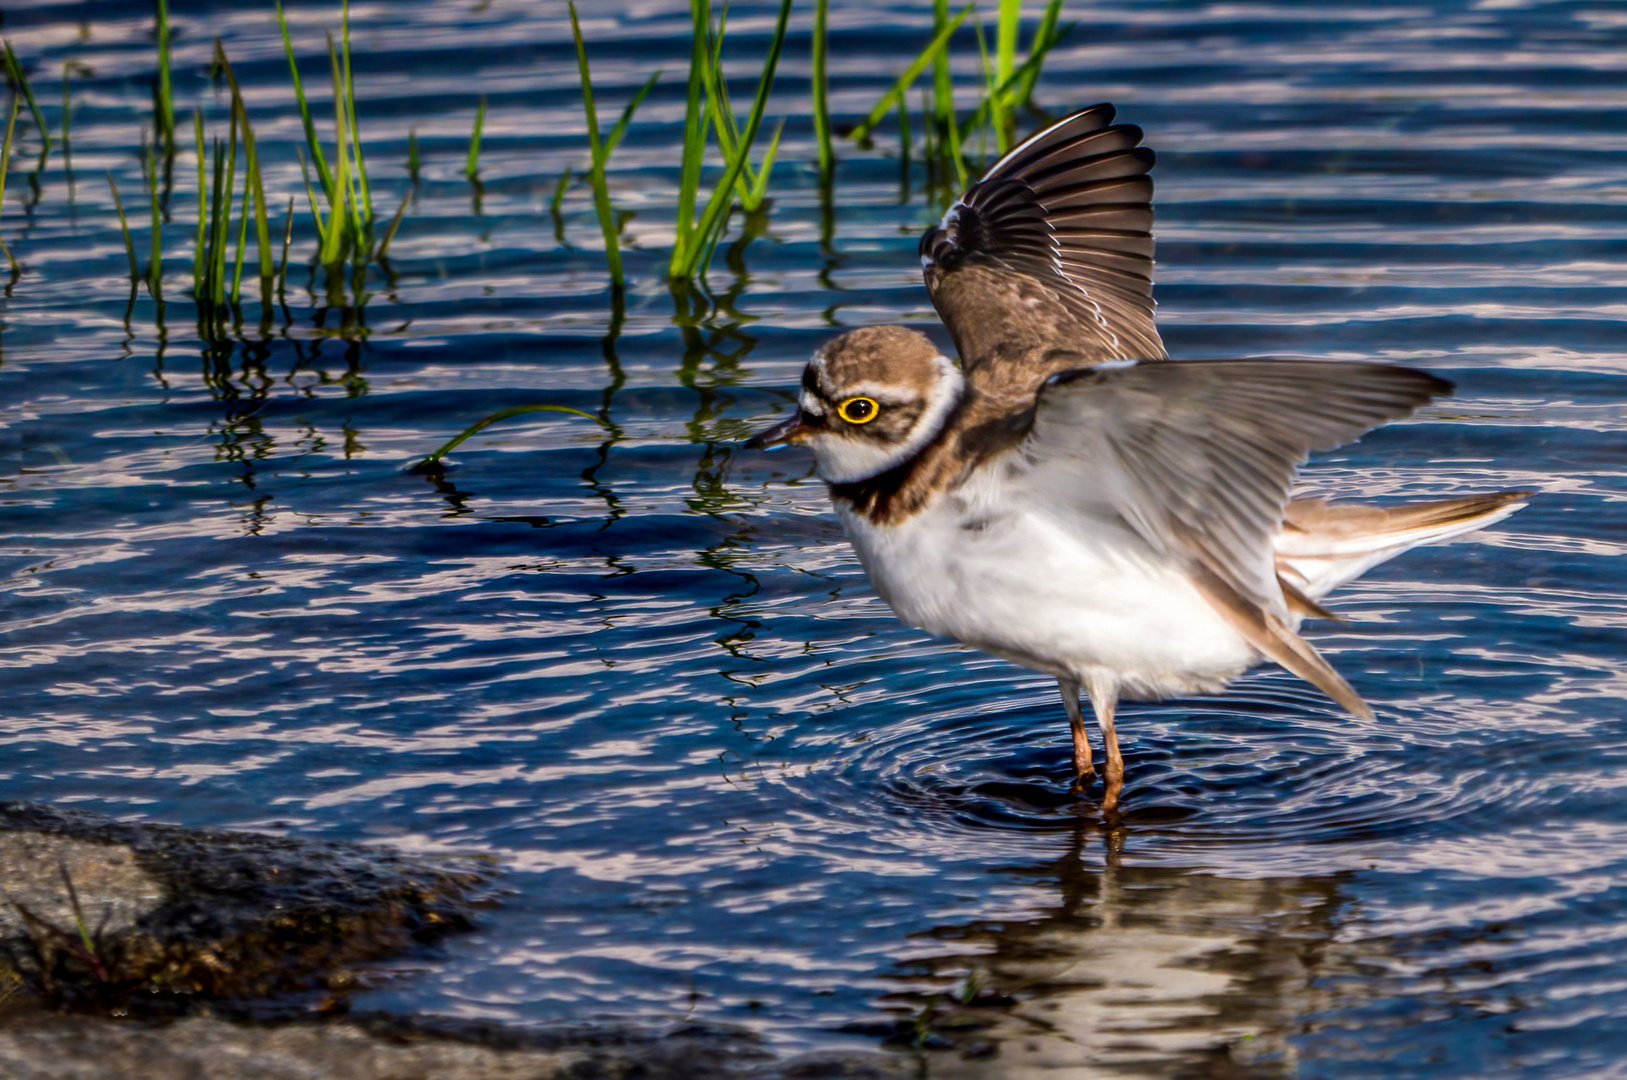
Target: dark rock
(193, 914)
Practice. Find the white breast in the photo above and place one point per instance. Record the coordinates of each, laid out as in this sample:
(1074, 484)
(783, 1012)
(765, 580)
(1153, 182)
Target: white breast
(1064, 595)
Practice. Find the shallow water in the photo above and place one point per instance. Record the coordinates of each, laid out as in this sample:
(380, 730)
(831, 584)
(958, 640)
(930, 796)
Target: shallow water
(644, 669)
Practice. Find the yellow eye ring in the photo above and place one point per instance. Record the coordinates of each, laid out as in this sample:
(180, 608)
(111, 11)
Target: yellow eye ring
(858, 410)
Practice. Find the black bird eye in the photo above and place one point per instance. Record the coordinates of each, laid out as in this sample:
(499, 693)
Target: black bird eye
(858, 410)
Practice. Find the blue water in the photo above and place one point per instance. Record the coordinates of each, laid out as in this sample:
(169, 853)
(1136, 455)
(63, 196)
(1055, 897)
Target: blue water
(642, 667)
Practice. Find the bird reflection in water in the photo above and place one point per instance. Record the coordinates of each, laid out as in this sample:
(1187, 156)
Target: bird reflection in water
(1131, 971)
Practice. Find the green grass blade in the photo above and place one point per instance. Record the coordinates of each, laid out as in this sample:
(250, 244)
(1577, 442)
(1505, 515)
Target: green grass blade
(943, 85)
(1005, 42)
(759, 189)
(217, 195)
(993, 102)
(253, 177)
(345, 180)
(601, 188)
(480, 425)
(155, 266)
(166, 93)
(310, 193)
(412, 155)
(1045, 37)
(939, 41)
(129, 244)
(242, 238)
(5, 167)
(262, 224)
(1029, 66)
(203, 216)
(696, 120)
(223, 224)
(723, 122)
(338, 198)
(287, 238)
(614, 139)
(471, 168)
(395, 223)
(714, 217)
(304, 109)
(355, 125)
(555, 203)
(821, 89)
(15, 66)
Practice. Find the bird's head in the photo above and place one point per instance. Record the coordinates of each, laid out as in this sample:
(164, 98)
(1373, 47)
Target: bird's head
(870, 400)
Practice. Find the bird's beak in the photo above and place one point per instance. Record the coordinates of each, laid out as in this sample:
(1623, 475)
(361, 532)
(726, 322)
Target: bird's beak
(786, 431)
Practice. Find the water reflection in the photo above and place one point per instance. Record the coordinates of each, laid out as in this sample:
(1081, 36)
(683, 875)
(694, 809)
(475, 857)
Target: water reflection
(1128, 971)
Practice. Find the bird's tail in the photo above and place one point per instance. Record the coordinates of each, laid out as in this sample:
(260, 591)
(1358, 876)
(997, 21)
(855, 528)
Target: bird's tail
(1323, 545)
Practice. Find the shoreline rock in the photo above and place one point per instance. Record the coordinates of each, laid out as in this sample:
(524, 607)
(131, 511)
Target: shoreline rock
(198, 952)
(172, 915)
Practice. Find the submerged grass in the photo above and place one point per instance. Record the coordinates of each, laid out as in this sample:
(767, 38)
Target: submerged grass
(433, 460)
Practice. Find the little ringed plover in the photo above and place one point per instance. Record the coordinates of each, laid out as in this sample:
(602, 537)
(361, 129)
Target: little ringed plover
(1068, 498)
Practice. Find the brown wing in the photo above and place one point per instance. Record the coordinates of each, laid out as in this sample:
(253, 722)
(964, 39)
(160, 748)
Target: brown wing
(1051, 249)
(1198, 459)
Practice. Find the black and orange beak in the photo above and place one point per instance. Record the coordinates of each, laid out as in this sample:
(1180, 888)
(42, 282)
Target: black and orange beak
(786, 431)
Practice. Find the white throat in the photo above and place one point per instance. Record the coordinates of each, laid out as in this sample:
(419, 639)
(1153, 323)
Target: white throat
(845, 460)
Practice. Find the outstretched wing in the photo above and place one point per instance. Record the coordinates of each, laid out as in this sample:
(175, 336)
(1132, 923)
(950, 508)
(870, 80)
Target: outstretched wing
(1052, 248)
(1198, 459)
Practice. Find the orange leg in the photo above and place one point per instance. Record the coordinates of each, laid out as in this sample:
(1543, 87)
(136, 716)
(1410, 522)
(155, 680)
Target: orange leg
(1081, 741)
(1104, 699)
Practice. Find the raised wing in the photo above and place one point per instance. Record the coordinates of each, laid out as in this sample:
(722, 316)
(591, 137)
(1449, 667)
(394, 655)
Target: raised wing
(1052, 248)
(1198, 459)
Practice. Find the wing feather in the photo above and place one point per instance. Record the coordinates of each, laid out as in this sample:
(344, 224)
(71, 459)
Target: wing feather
(1198, 459)
(1052, 246)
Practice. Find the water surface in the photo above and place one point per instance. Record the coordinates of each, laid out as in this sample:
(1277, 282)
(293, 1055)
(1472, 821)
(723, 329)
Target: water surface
(644, 669)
